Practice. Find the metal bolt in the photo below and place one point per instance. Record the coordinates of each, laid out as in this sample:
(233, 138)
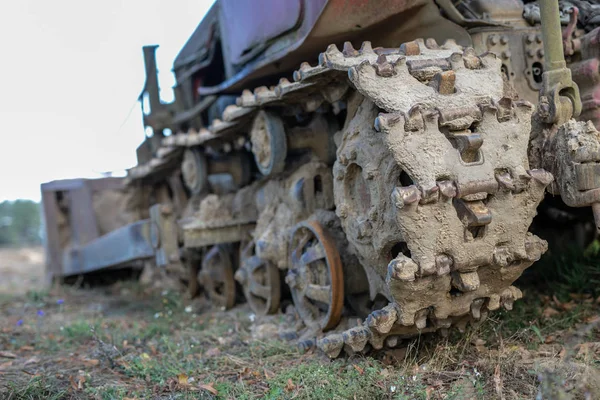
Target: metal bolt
(506, 54)
(241, 276)
(291, 279)
(504, 39)
(405, 195)
(541, 53)
(530, 38)
(493, 40)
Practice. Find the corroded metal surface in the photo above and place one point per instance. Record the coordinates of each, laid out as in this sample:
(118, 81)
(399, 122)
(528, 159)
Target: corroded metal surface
(315, 275)
(260, 280)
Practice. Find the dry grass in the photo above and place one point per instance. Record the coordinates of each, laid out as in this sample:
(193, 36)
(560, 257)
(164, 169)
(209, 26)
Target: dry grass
(127, 341)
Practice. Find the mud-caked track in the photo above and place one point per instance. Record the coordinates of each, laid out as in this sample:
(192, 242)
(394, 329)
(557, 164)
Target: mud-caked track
(402, 186)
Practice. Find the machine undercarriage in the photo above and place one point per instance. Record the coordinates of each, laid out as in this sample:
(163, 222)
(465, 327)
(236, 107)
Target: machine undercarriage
(395, 187)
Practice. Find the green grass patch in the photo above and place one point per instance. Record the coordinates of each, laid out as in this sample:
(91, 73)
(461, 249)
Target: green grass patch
(40, 387)
(333, 380)
(569, 271)
(79, 331)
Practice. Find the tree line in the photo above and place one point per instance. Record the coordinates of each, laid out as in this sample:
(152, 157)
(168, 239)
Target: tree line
(20, 223)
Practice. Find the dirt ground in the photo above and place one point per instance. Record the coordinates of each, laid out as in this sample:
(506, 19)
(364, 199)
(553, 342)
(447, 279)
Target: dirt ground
(21, 270)
(127, 341)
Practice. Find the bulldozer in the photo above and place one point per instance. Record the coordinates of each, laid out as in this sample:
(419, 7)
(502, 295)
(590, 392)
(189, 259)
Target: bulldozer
(377, 164)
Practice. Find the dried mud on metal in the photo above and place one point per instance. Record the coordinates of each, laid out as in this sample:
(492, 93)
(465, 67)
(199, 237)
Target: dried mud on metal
(127, 341)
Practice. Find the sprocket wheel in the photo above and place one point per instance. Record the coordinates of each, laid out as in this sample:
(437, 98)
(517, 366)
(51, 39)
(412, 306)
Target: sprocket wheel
(260, 281)
(315, 277)
(216, 275)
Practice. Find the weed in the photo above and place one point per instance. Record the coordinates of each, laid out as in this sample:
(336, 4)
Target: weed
(79, 331)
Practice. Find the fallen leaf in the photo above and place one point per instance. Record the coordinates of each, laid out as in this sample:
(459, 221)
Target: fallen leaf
(77, 383)
(592, 319)
(568, 306)
(359, 369)
(268, 374)
(562, 354)
(32, 360)
(580, 296)
(480, 345)
(90, 362)
(428, 392)
(550, 339)
(549, 312)
(209, 387)
(182, 379)
(6, 365)
(290, 385)
(7, 354)
(26, 348)
(145, 356)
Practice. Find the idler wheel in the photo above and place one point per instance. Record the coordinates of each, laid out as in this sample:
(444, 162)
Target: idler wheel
(269, 144)
(216, 275)
(315, 277)
(260, 281)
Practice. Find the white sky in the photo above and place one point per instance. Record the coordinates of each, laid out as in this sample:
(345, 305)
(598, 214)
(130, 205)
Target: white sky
(70, 73)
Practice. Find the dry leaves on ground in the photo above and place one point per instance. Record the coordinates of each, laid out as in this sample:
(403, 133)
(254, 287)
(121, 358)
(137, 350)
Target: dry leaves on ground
(210, 388)
(7, 354)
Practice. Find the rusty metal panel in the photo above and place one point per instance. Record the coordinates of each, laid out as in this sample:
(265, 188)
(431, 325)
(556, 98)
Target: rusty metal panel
(51, 245)
(121, 246)
(386, 23)
(78, 220)
(258, 26)
(84, 227)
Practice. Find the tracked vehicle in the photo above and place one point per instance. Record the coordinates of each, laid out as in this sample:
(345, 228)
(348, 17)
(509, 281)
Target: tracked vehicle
(379, 164)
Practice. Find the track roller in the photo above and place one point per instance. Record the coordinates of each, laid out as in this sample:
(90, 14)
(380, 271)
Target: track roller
(315, 276)
(216, 275)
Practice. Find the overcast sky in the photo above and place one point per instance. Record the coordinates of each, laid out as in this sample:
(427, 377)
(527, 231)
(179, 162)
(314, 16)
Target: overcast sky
(70, 73)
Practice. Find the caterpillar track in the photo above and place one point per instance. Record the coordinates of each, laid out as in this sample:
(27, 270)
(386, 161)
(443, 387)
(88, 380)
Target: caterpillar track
(430, 185)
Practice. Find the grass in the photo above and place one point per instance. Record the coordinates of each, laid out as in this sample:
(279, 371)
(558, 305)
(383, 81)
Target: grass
(570, 271)
(129, 342)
